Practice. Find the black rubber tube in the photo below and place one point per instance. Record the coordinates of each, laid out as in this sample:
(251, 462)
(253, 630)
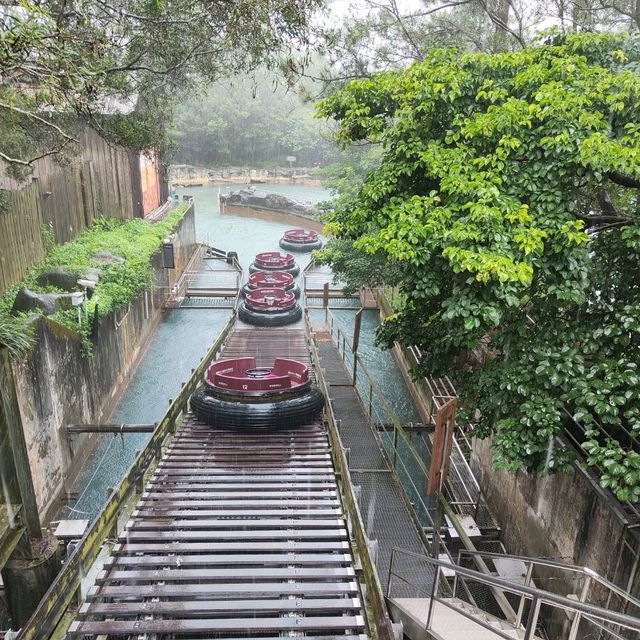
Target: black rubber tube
(295, 289)
(269, 319)
(282, 414)
(299, 246)
(294, 271)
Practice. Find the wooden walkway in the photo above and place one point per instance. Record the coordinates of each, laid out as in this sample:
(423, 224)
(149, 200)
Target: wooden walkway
(236, 535)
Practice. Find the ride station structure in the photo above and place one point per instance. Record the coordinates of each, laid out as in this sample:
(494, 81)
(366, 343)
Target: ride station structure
(240, 518)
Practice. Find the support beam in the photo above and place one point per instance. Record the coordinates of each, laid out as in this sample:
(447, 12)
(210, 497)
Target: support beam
(11, 419)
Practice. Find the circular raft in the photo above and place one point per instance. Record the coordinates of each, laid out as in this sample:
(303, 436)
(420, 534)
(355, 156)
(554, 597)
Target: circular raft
(237, 394)
(300, 240)
(275, 279)
(270, 261)
(272, 307)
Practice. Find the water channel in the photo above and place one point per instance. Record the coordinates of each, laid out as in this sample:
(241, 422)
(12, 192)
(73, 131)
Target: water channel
(184, 336)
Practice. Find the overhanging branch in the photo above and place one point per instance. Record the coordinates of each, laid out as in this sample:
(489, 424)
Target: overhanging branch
(623, 180)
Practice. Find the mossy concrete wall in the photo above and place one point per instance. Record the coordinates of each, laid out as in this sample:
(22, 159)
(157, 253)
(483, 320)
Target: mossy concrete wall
(58, 385)
(564, 517)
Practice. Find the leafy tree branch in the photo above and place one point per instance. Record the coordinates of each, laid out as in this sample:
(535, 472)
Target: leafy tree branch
(505, 211)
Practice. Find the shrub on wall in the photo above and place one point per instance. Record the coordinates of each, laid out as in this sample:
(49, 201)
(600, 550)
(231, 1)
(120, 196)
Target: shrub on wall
(134, 241)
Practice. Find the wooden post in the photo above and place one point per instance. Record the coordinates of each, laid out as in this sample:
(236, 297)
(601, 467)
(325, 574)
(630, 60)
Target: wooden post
(445, 425)
(356, 330)
(325, 296)
(10, 412)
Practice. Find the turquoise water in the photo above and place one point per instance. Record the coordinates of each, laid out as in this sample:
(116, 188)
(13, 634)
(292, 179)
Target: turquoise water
(246, 236)
(178, 345)
(180, 342)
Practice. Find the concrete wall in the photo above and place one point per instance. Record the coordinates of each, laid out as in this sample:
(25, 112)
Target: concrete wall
(185, 175)
(563, 517)
(57, 385)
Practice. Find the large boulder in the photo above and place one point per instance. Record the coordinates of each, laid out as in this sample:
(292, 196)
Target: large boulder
(63, 279)
(59, 278)
(48, 303)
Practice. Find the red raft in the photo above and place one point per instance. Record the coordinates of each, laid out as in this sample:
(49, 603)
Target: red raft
(275, 279)
(270, 261)
(237, 394)
(300, 240)
(272, 307)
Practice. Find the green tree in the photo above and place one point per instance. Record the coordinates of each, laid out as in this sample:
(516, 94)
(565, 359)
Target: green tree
(507, 197)
(250, 119)
(60, 59)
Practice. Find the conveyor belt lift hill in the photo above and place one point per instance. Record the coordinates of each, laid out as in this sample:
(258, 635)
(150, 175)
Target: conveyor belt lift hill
(240, 535)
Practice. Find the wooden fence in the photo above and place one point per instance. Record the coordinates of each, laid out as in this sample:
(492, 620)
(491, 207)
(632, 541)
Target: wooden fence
(103, 180)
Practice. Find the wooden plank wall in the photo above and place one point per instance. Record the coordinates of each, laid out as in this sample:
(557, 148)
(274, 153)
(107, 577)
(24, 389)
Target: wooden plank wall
(64, 199)
(21, 239)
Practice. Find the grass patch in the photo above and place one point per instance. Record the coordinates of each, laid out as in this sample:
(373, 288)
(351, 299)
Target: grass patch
(134, 240)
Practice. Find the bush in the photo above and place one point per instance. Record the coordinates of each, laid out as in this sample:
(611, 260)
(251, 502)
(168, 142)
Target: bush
(134, 240)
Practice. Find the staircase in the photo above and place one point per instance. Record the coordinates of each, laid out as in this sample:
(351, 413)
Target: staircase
(456, 607)
(452, 619)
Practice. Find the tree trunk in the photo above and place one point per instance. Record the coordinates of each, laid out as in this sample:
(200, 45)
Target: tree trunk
(500, 17)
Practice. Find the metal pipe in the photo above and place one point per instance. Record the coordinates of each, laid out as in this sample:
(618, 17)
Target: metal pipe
(111, 428)
(395, 446)
(393, 553)
(434, 588)
(527, 582)
(532, 623)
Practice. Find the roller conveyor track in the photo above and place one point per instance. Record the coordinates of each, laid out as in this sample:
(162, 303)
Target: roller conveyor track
(236, 535)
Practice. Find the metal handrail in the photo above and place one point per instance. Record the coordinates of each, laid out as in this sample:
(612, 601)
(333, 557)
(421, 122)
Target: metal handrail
(340, 331)
(555, 564)
(381, 627)
(537, 596)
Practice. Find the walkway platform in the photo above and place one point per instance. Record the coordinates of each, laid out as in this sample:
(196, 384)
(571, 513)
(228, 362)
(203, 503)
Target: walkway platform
(449, 624)
(384, 512)
(211, 280)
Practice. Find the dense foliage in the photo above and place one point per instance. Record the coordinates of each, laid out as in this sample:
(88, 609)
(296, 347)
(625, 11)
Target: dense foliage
(249, 121)
(127, 59)
(507, 200)
(134, 240)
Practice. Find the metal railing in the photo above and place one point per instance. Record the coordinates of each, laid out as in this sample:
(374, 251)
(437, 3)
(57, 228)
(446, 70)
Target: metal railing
(63, 593)
(585, 617)
(385, 418)
(220, 281)
(379, 622)
(584, 580)
(406, 461)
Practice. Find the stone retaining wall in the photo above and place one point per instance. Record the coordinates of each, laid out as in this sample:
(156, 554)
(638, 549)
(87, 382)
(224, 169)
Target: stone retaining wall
(58, 385)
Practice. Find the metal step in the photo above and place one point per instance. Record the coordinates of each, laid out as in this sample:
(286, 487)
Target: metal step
(451, 619)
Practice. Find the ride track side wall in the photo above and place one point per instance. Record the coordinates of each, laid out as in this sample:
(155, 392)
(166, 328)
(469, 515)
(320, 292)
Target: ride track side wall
(58, 385)
(272, 215)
